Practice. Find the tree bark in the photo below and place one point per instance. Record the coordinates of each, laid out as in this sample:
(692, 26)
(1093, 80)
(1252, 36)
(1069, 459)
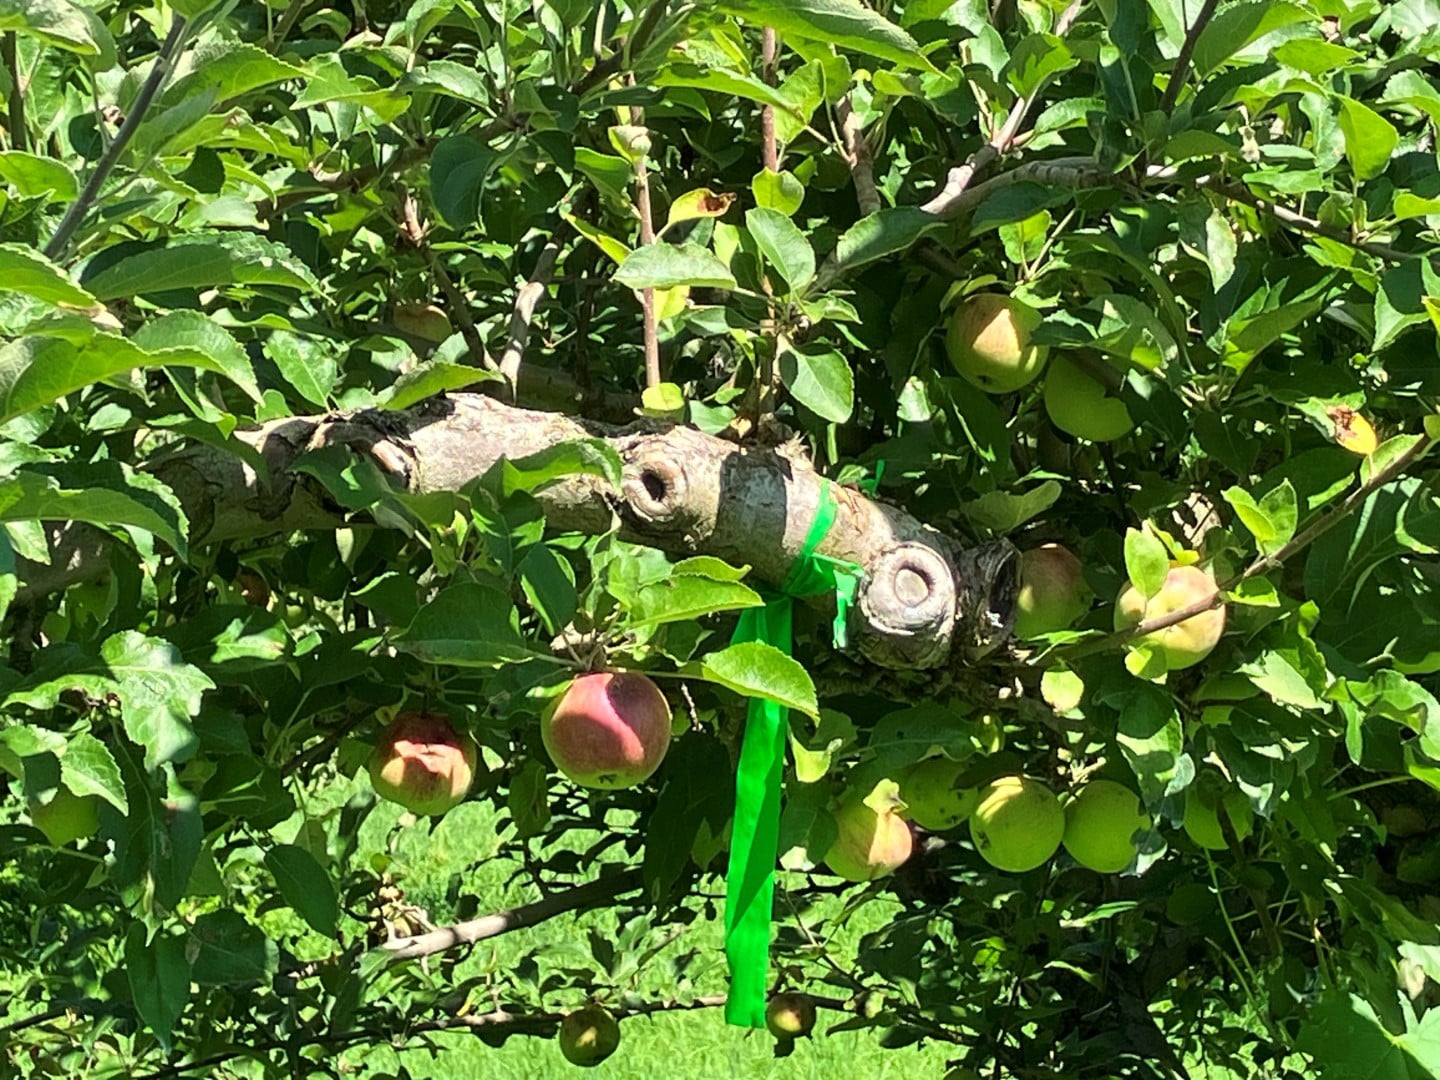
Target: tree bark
(687, 493)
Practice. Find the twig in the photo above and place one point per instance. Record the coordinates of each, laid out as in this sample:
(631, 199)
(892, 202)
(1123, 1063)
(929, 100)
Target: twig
(612, 64)
(770, 151)
(159, 71)
(456, 304)
(503, 922)
(857, 155)
(286, 23)
(647, 236)
(960, 177)
(11, 57)
(527, 298)
(1260, 565)
(1182, 59)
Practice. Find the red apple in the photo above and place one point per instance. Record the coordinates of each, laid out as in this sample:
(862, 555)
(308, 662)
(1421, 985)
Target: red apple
(421, 762)
(609, 730)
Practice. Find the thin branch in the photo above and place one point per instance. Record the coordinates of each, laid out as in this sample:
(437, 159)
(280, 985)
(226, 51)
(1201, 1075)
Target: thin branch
(527, 298)
(10, 55)
(286, 23)
(769, 147)
(159, 72)
(1000, 143)
(857, 155)
(503, 922)
(1261, 564)
(612, 64)
(1182, 59)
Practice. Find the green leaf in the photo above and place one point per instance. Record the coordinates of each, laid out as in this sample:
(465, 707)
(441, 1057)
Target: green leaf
(229, 951)
(1152, 738)
(687, 596)
(199, 261)
(1146, 561)
(821, 380)
(116, 496)
(757, 669)
(1370, 139)
(88, 768)
(847, 24)
(1002, 512)
(574, 457)
(33, 177)
(549, 586)
(469, 624)
(1225, 38)
(778, 191)
(305, 364)
(61, 23)
(1036, 60)
(429, 379)
(192, 332)
(1343, 1031)
(885, 232)
(231, 69)
(159, 976)
(663, 266)
(306, 886)
(1271, 520)
(783, 245)
(459, 168)
(25, 271)
(722, 81)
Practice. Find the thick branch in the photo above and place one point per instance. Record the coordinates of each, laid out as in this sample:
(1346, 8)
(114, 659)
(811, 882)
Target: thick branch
(681, 491)
(503, 922)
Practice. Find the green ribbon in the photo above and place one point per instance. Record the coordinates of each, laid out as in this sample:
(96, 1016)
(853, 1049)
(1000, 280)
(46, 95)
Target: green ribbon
(755, 833)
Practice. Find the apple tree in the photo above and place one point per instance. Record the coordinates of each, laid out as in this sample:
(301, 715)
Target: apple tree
(912, 524)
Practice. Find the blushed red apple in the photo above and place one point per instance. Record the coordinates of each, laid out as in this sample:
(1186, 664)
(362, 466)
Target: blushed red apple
(421, 762)
(610, 729)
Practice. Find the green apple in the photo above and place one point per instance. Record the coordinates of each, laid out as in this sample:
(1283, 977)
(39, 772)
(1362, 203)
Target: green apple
(66, 817)
(933, 799)
(989, 342)
(1101, 822)
(1017, 824)
(868, 845)
(1053, 593)
(1185, 643)
(588, 1036)
(1078, 405)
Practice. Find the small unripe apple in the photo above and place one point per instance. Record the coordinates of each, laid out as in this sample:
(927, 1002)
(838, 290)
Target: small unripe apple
(424, 321)
(610, 729)
(1100, 826)
(933, 798)
(421, 762)
(868, 845)
(1079, 405)
(790, 1016)
(1053, 593)
(1186, 643)
(1017, 824)
(588, 1036)
(66, 817)
(988, 341)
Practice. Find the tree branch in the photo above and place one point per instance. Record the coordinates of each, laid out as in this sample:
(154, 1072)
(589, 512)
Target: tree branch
(10, 56)
(857, 154)
(159, 72)
(1182, 59)
(503, 922)
(527, 298)
(769, 148)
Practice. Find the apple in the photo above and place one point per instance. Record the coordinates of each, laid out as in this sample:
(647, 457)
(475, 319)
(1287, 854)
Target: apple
(868, 845)
(421, 762)
(424, 321)
(609, 730)
(66, 817)
(588, 1036)
(790, 1016)
(988, 341)
(1101, 821)
(1017, 824)
(1053, 593)
(1186, 643)
(1205, 800)
(1079, 405)
(933, 800)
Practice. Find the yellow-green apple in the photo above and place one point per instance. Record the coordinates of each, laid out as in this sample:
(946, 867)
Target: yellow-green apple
(1101, 823)
(1017, 824)
(421, 762)
(1185, 643)
(610, 729)
(933, 797)
(588, 1036)
(1053, 593)
(424, 321)
(988, 341)
(868, 845)
(790, 1016)
(1079, 405)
